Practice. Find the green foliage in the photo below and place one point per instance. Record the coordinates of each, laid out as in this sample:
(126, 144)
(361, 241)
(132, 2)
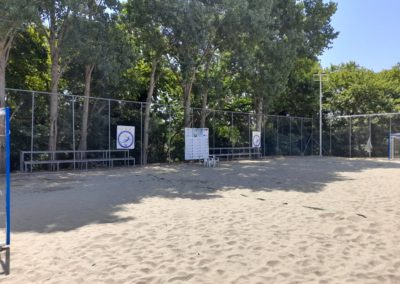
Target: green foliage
(352, 89)
(28, 64)
(238, 52)
(301, 96)
(14, 14)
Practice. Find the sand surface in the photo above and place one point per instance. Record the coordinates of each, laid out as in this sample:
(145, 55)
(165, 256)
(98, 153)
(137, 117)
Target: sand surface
(283, 220)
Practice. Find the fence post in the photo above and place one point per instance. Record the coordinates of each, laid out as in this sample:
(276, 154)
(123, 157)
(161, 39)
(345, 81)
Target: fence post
(278, 150)
(370, 133)
(312, 137)
(213, 128)
(265, 133)
(232, 128)
(390, 134)
(169, 134)
(141, 133)
(350, 137)
(301, 136)
(33, 125)
(109, 128)
(73, 128)
(290, 135)
(330, 137)
(250, 144)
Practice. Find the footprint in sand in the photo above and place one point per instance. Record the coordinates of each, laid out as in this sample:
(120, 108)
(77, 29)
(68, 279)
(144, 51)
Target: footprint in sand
(211, 241)
(181, 278)
(273, 263)
(326, 215)
(339, 230)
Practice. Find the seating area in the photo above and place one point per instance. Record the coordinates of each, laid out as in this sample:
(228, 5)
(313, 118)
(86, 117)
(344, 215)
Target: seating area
(231, 153)
(211, 161)
(30, 160)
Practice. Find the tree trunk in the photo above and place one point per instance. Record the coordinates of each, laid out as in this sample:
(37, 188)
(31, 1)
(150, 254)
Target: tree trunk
(259, 113)
(85, 114)
(5, 47)
(150, 93)
(3, 64)
(187, 89)
(205, 97)
(55, 78)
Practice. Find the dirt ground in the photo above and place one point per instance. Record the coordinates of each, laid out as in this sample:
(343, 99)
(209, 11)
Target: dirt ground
(280, 220)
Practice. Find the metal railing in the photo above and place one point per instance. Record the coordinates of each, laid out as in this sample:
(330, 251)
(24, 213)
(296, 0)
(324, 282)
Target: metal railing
(73, 157)
(281, 135)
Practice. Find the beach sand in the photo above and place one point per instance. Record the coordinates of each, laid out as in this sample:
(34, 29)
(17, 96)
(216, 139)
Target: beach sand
(280, 220)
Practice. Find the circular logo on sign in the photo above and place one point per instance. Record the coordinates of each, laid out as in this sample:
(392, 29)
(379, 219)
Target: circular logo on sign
(256, 141)
(125, 139)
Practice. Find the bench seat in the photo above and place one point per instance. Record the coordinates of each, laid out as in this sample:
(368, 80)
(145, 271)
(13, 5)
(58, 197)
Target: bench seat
(109, 161)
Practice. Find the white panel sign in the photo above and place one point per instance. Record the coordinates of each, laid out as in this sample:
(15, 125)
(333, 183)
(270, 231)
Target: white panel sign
(256, 139)
(196, 143)
(125, 137)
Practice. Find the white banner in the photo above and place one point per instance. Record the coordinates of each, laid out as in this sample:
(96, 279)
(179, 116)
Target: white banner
(256, 141)
(125, 137)
(196, 143)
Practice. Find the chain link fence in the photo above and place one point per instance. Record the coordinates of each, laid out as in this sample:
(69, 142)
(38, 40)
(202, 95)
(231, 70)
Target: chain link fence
(343, 136)
(281, 135)
(360, 136)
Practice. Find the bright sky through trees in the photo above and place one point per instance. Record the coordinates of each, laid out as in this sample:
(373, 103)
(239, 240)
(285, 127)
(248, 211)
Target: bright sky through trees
(369, 34)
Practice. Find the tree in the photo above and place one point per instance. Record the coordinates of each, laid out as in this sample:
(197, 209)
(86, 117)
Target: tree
(300, 97)
(96, 22)
(13, 15)
(28, 66)
(352, 89)
(190, 28)
(57, 18)
(390, 79)
(270, 36)
(143, 19)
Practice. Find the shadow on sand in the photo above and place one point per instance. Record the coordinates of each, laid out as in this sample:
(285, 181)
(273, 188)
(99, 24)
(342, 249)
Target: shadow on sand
(53, 202)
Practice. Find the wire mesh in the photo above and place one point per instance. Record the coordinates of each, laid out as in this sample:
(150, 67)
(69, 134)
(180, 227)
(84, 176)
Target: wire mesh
(344, 136)
(349, 136)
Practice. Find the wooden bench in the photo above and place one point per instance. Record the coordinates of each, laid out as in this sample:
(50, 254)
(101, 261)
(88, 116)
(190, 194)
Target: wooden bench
(235, 152)
(80, 158)
(109, 161)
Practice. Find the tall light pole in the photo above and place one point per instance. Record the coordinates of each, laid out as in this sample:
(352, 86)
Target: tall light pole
(320, 77)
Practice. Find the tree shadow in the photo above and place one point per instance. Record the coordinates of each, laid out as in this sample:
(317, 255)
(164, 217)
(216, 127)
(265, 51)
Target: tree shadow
(53, 202)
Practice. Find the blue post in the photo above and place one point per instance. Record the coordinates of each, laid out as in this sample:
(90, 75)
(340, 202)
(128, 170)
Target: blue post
(8, 191)
(390, 137)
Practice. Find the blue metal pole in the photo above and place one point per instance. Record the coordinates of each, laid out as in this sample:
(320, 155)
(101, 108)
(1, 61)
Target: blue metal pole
(8, 191)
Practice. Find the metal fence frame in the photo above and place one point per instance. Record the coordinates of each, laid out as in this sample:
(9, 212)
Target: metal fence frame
(375, 126)
(285, 135)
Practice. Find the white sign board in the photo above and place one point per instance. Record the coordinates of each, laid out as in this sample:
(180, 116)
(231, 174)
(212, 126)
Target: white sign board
(196, 143)
(125, 137)
(256, 141)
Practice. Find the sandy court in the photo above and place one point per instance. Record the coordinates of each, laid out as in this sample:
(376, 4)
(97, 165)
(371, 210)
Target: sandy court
(283, 220)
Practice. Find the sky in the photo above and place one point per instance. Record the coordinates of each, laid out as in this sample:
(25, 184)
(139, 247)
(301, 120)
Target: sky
(369, 34)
